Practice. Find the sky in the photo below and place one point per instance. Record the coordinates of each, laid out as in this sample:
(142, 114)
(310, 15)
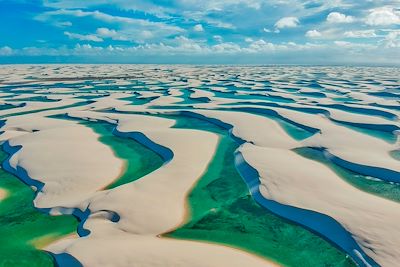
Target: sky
(338, 32)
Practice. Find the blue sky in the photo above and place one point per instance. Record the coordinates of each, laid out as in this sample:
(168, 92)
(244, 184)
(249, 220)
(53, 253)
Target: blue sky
(200, 31)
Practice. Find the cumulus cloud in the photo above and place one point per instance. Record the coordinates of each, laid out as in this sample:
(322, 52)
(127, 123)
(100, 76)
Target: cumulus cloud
(313, 34)
(105, 32)
(6, 51)
(360, 34)
(392, 39)
(180, 45)
(102, 33)
(226, 48)
(110, 33)
(186, 44)
(256, 49)
(198, 28)
(260, 45)
(383, 16)
(336, 17)
(287, 22)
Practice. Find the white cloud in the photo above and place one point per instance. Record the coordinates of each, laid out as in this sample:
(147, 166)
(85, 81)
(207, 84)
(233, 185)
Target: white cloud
(218, 38)
(351, 45)
(360, 34)
(110, 33)
(342, 43)
(198, 28)
(260, 46)
(162, 29)
(186, 44)
(218, 4)
(392, 39)
(142, 5)
(266, 30)
(129, 29)
(80, 13)
(258, 49)
(134, 35)
(84, 37)
(63, 24)
(146, 34)
(313, 34)
(105, 32)
(203, 17)
(248, 40)
(226, 48)
(383, 16)
(6, 51)
(287, 22)
(336, 17)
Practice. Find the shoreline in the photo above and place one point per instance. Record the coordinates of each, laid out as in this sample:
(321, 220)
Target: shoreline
(47, 240)
(269, 261)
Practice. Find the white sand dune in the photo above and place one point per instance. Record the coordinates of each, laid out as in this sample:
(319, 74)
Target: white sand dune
(345, 143)
(50, 155)
(164, 101)
(256, 129)
(149, 251)
(111, 101)
(201, 93)
(359, 118)
(303, 183)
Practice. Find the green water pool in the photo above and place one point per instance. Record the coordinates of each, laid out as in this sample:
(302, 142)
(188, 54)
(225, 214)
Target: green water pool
(368, 184)
(23, 227)
(139, 160)
(222, 211)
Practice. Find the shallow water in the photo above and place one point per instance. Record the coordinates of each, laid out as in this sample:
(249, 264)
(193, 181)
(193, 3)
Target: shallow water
(139, 160)
(222, 211)
(366, 183)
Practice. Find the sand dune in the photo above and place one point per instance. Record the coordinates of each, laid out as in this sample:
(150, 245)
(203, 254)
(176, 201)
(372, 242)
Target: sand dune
(59, 154)
(373, 221)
